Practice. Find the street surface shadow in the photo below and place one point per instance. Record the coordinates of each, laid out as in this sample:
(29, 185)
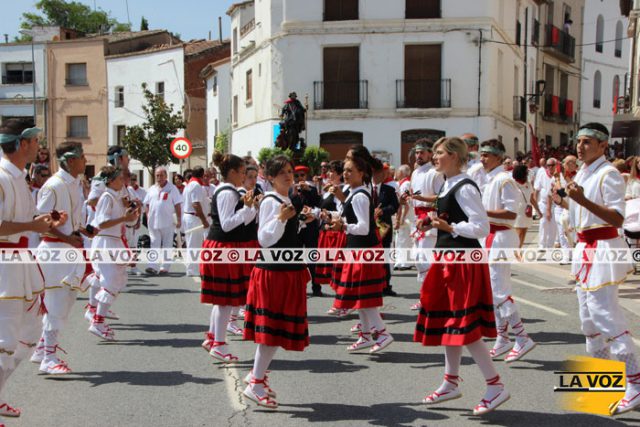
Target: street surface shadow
(174, 343)
(384, 414)
(316, 366)
(539, 365)
(430, 358)
(182, 328)
(557, 338)
(135, 378)
(535, 419)
(160, 292)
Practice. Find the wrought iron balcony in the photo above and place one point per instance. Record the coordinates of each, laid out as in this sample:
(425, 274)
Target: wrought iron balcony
(341, 95)
(558, 109)
(519, 109)
(423, 93)
(560, 43)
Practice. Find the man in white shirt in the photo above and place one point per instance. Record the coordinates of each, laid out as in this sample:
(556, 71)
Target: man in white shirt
(502, 200)
(194, 218)
(548, 230)
(596, 205)
(21, 285)
(404, 219)
(63, 193)
(163, 201)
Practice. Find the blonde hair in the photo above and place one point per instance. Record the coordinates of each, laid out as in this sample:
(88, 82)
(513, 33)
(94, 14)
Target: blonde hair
(634, 167)
(454, 145)
(621, 165)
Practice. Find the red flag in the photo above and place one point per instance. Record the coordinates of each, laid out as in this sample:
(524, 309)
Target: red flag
(535, 149)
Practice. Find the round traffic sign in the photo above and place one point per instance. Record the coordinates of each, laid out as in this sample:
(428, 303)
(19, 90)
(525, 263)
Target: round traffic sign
(181, 148)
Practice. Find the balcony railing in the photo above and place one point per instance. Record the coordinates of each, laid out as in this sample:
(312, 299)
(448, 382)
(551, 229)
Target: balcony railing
(341, 95)
(519, 109)
(15, 80)
(76, 82)
(560, 43)
(423, 93)
(558, 109)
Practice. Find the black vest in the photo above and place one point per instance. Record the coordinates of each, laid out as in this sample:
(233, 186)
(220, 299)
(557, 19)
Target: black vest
(449, 204)
(371, 239)
(250, 232)
(289, 239)
(238, 234)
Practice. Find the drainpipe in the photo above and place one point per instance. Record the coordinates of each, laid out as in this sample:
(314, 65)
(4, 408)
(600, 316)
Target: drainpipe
(480, 69)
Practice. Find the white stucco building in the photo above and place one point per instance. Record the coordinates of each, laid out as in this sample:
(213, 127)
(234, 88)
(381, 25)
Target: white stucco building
(380, 72)
(605, 61)
(162, 69)
(218, 80)
(19, 74)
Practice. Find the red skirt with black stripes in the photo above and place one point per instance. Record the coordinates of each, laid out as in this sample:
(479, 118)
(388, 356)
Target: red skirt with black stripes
(359, 285)
(329, 240)
(457, 305)
(224, 284)
(276, 311)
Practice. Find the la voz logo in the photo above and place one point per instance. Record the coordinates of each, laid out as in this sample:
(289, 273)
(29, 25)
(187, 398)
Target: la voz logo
(591, 385)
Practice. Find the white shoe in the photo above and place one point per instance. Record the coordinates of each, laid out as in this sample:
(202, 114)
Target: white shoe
(241, 313)
(207, 344)
(265, 401)
(37, 356)
(357, 328)
(519, 351)
(234, 329)
(500, 348)
(629, 402)
(54, 367)
(382, 341)
(101, 330)
(363, 342)
(89, 313)
(436, 397)
(270, 392)
(220, 356)
(486, 406)
(7, 410)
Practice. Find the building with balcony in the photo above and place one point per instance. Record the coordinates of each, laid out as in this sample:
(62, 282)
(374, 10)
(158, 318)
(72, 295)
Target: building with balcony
(605, 62)
(218, 81)
(20, 77)
(382, 73)
(557, 37)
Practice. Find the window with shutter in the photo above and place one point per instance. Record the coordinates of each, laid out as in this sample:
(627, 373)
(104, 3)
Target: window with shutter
(340, 10)
(341, 77)
(422, 74)
(76, 74)
(78, 127)
(422, 9)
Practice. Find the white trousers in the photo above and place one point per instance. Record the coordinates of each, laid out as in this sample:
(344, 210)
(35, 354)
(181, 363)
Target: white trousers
(194, 240)
(422, 264)
(20, 330)
(548, 230)
(561, 232)
(403, 242)
(162, 239)
(500, 273)
(603, 322)
(59, 303)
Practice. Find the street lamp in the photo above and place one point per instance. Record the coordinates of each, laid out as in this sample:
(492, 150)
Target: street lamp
(33, 71)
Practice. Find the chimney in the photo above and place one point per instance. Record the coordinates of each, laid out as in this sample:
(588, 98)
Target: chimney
(209, 34)
(220, 28)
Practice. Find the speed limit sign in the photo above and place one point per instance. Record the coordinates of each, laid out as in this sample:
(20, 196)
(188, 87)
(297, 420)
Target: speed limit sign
(181, 148)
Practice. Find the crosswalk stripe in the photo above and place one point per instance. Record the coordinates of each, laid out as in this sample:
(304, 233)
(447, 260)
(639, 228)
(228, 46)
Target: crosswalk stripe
(531, 285)
(541, 307)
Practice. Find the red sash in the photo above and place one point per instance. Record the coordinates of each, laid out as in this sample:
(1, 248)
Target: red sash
(422, 211)
(493, 229)
(23, 243)
(591, 238)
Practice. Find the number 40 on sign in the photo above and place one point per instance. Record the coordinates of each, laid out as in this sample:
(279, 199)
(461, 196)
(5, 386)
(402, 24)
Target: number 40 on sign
(181, 148)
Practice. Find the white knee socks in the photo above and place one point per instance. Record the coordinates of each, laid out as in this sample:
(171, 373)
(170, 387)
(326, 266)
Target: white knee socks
(222, 316)
(264, 356)
(50, 344)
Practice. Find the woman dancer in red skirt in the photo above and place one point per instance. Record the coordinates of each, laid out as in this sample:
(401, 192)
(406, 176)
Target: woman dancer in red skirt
(359, 285)
(225, 285)
(457, 305)
(276, 312)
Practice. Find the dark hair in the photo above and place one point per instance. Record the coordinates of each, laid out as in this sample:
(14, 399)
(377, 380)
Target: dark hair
(107, 171)
(37, 169)
(426, 142)
(597, 126)
(187, 174)
(14, 126)
(227, 162)
(494, 143)
(197, 172)
(371, 163)
(252, 168)
(276, 164)
(363, 167)
(336, 166)
(520, 173)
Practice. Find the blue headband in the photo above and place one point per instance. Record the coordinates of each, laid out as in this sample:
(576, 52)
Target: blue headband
(29, 133)
(593, 133)
(491, 150)
(112, 158)
(74, 153)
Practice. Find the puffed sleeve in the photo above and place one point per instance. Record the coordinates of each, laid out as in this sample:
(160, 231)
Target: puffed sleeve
(512, 199)
(104, 210)
(612, 188)
(229, 218)
(46, 200)
(270, 228)
(360, 203)
(477, 227)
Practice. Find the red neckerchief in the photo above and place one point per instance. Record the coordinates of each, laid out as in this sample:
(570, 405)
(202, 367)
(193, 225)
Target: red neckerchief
(35, 186)
(403, 180)
(569, 175)
(549, 174)
(198, 180)
(135, 187)
(389, 179)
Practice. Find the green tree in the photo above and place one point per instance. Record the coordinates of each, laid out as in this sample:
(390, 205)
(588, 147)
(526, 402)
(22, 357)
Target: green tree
(221, 143)
(144, 24)
(313, 157)
(268, 152)
(149, 142)
(71, 14)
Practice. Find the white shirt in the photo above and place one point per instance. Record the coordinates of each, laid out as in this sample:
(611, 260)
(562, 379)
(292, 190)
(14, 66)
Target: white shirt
(193, 192)
(478, 175)
(426, 180)
(603, 185)
(226, 202)
(63, 192)
(270, 228)
(360, 203)
(15, 205)
(470, 202)
(633, 188)
(543, 185)
(139, 192)
(161, 202)
(501, 192)
(110, 207)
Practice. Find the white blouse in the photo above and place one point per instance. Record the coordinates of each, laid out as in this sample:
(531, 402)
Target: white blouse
(470, 200)
(270, 228)
(229, 218)
(360, 203)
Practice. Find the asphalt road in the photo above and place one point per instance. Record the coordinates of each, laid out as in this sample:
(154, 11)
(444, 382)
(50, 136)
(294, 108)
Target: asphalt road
(156, 374)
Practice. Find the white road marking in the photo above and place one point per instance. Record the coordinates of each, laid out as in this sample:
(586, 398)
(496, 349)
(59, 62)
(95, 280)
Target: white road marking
(540, 306)
(531, 285)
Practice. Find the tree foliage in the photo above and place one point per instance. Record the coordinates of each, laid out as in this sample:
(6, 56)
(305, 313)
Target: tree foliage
(313, 157)
(144, 24)
(149, 142)
(268, 152)
(221, 143)
(71, 14)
